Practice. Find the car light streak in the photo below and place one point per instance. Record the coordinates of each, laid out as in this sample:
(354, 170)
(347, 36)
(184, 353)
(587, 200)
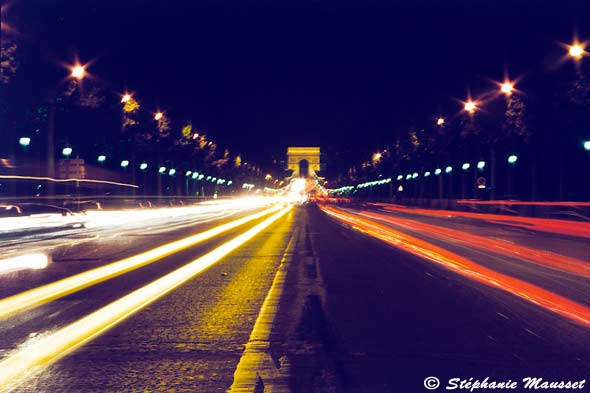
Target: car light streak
(57, 289)
(550, 301)
(21, 262)
(563, 227)
(65, 340)
(502, 247)
(53, 180)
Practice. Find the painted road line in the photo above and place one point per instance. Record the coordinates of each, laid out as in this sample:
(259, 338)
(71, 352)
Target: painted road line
(54, 346)
(256, 361)
(63, 287)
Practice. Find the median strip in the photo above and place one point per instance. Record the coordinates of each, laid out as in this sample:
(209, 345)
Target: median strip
(68, 285)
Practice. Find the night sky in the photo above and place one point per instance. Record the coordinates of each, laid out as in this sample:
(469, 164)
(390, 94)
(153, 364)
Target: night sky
(259, 76)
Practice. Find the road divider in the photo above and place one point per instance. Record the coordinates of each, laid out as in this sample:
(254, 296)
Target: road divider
(46, 293)
(54, 346)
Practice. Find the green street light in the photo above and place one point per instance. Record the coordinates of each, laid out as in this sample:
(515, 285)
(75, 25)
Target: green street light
(229, 183)
(408, 176)
(466, 166)
(66, 151)
(437, 171)
(195, 175)
(586, 145)
(124, 163)
(201, 176)
(448, 169)
(512, 159)
(143, 166)
(481, 165)
(188, 173)
(162, 169)
(414, 175)
(172, 171)
(24, 141)
(399, 177)
(426, 174)
(102, 158)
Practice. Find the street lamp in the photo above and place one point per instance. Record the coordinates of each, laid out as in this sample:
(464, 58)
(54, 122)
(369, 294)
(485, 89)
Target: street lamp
(66, 151)
(507, 88)
(414, 175)
(195, 175)
(158, 116)
(162, 169)
(399, 177)
(172, 171)
(408, 176)
(586, 145)
(576, 51)
(426, 174)
(481, 165)
(101, 158)
(188, 173)
(143, 166)
(470, 107)
(124, 163)
(437, 171)
(126, 97)
(78, 72)
(512, 159)
(24, 141)
(440, 121)
(466, 166)
(448, 169)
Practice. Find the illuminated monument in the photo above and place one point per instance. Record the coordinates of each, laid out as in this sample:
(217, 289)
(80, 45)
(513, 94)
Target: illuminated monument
(303, 161)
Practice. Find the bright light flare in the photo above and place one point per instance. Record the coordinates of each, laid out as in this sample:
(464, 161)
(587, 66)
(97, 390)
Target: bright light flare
(576, 51)
(78, 72)
(65, 340)
(470, 107)
(126, 97)
(21, 262)
(158, 116)
(440, 121)
(507, 88)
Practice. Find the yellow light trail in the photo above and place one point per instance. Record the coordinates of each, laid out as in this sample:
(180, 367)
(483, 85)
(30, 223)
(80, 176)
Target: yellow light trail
(63, 287)
(65, 340)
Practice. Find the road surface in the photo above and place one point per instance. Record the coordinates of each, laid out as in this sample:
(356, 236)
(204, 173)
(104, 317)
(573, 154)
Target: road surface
(318, 299)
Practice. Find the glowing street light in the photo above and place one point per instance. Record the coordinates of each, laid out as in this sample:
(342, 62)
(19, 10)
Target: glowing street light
(507, 88)
(576, 51)
(188, 173)
(426, 174)
(124, 163)
(481, 165)
(408, 176)
(448, 169)
(470, 107)
(126, 97)
(466, 166)
(440, 121)
(162, 169)
(158, 116)
(78, 72)
(195, 175)
(66, 151)
(24, 141)
(414, 175)
(172, 171)
(399, 177)
(437, 171)
(143, 166)
(376, 157)
(512, 159)
(586, 145)
(101, 158)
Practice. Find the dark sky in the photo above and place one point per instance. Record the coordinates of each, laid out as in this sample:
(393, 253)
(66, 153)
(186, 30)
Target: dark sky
(262, 75)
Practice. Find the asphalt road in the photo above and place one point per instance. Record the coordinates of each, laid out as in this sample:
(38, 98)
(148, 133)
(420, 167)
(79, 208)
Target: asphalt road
(355, 313)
